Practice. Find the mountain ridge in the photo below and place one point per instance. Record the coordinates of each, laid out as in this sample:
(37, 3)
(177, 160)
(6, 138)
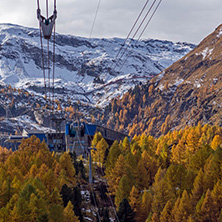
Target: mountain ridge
(186, 93)
(83, 65)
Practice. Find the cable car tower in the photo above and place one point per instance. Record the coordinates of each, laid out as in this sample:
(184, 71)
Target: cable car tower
(47, 27)
(47, 33)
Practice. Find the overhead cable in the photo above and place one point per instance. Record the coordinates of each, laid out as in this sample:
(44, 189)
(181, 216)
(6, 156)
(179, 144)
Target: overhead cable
(139, 38)
(141, 12)
(137, 30)
(94, 20)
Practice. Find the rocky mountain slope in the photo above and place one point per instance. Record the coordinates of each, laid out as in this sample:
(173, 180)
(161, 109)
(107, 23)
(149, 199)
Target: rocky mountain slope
(188, 92)
(86, 69)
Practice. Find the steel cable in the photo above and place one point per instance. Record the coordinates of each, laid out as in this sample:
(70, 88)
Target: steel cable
(148, 22)
(144, 18)
(94, 20)
(141, 12)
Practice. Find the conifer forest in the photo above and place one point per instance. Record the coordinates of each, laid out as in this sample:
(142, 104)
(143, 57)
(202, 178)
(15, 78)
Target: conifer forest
(176, 177)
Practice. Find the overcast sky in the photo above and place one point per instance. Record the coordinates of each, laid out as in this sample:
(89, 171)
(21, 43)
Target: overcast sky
(177, 20)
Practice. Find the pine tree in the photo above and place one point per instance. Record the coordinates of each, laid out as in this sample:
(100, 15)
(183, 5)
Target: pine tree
(113, 155)
(145, 206)
(162, 194)
(182, 211)
(116, 174)
(134, 200)
(126, 145)
(175, 177)
(217, 198)
(106, 215)
(125, 213)
(155, 217)
(123, 190)
(166, 214)
(198, 188)
(217, 141)
(69, 215)
(207, 212)
(56, 213)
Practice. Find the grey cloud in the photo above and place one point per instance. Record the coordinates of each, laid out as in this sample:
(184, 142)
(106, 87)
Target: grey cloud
(177, 20)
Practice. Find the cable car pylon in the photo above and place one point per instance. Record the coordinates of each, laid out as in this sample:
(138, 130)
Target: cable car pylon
(46, 25)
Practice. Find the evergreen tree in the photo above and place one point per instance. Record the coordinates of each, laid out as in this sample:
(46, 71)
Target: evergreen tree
(217, 198)
(145, 206)
(134, 200)
(125, 213)
(207, 212)
(113, 155)
(183, 209)
(69, 214)
(43, 218)
(116, 174)
(212, 169)
(106, 215)
(155, 217)
(216, 142)
(166, 215)
(123, 190)
(56, 213)
(198, 188)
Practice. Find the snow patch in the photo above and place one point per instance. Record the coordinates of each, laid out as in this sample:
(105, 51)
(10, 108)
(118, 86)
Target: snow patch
(178, 82)
(206, 52)
(219, 33)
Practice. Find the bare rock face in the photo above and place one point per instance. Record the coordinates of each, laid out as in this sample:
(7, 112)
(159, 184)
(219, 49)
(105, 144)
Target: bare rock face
(39, 117)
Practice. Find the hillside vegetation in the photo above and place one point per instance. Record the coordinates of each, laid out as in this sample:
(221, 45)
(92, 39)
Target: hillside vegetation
(32, 184)
(175, 178)
(187, 92)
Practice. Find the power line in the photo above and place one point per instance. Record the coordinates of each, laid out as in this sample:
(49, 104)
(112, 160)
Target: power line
(148, 22)
(131, 29)
(137, 30)
(94, 20)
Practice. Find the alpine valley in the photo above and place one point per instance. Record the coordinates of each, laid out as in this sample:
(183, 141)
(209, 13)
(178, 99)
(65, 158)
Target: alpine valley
(87, 73)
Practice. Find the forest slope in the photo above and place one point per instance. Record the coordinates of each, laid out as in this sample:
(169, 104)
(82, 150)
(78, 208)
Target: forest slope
(187, 92)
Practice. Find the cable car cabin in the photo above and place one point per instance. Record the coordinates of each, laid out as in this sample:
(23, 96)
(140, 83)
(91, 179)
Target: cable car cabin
(79, 136)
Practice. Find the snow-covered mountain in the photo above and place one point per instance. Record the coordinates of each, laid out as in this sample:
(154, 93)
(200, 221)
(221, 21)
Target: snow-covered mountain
(85, 69)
